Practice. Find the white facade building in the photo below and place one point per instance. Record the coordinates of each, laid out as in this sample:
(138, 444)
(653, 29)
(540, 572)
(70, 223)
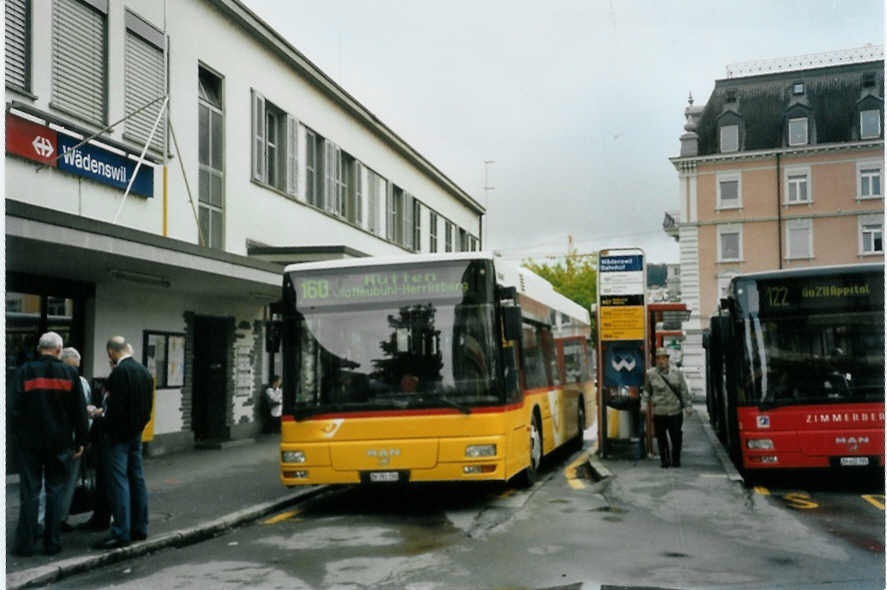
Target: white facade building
(268, 162)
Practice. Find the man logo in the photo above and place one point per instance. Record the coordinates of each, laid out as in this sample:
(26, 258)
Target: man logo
(763, 421)
(383, 455)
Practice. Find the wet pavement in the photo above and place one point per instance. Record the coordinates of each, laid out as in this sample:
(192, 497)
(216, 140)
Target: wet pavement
(191, 495)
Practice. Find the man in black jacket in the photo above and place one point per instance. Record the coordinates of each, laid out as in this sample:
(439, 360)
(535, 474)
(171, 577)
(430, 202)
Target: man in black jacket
(47, 418)
(130, 397)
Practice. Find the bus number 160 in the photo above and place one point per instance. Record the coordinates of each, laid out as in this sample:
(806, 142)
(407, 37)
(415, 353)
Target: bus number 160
(315, 289)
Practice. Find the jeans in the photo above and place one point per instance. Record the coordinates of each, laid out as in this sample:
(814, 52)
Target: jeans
(126, 487)
(68, 494)
(34, 466)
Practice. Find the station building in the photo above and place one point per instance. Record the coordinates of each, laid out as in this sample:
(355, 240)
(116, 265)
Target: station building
(782, 167)
(257, 159)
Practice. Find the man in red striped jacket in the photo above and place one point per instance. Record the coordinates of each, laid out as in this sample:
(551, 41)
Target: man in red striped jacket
(47, 419)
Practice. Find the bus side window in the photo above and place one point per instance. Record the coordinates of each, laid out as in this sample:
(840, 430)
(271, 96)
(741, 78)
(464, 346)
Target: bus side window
(551, 369)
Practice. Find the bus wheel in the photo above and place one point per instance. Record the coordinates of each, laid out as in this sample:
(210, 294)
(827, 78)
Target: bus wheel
(580, 425)
(531, 473)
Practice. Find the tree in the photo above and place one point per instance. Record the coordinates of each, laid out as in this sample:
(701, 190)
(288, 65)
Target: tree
(574, 277)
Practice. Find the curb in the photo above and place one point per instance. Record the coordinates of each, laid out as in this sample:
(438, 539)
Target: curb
(732, 473)
(54, 572)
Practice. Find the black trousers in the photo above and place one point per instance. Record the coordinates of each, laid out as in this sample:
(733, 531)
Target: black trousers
(669, 427)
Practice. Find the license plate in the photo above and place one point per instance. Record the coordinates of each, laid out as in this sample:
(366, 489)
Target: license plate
(380, 476)
(854, 461)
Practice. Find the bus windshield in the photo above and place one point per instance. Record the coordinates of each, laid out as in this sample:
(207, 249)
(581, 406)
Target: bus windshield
(399, 337)
(801, 348)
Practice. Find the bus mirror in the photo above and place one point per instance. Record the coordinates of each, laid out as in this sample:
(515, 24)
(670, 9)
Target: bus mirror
(725, 304)
(272, 337)
(506, 293)
(511, 320)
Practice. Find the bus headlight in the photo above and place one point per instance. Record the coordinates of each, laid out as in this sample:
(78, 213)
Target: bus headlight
(480, 451)
(292, 456)
(759, 443)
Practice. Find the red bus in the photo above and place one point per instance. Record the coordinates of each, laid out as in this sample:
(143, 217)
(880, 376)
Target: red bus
(795, 368)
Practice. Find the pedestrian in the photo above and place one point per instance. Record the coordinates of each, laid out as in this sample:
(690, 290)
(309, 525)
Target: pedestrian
(48, 425)
(71, 357)
(274, 396)
(666, 388)
(130, 397)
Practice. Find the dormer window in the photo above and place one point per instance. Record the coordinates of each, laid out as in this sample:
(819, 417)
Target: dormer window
(798, 88)
(870, 124)
(797, 131)
(868, 80)
(731, 95)
(729, 138)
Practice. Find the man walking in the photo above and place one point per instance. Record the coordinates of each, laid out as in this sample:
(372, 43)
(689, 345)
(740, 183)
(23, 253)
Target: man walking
(667, 389)
(130, 397)
(47, 418)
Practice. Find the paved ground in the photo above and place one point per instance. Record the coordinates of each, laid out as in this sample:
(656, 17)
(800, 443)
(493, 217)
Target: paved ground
(191, 495)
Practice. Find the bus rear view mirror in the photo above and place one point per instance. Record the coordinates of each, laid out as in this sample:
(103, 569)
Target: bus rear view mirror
(511, 320)
(272, 337)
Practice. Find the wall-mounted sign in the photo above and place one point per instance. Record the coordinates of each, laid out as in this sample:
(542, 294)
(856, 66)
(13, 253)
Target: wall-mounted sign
(41, 144)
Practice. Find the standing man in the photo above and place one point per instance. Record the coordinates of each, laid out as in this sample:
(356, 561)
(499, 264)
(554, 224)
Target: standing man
(71, 357)
(47, 418)
(130, 397)
(667, 389)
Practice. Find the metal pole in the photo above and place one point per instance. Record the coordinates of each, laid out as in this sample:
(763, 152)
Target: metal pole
(175, 143)
(487, 189)
(141, 158)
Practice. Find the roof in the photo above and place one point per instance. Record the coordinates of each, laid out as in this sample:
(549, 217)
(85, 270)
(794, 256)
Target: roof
(813, 271)
(255, 26)
(831, 95)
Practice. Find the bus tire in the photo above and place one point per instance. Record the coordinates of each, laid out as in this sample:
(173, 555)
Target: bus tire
(580, 425)
(531, 473)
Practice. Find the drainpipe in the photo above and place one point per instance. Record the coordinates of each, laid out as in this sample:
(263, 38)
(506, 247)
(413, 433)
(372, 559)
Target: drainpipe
(779, 207)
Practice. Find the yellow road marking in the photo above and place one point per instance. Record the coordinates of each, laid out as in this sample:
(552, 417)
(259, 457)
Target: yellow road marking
(876, 500)
(570, 473)
(762, 490)
(283, 516)
(800, 500)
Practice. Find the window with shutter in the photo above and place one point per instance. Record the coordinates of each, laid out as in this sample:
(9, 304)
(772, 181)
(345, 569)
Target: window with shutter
(211, 174)
(260, 170)
(18, 44)
(78, 58)
(407, 234)
(144, 82)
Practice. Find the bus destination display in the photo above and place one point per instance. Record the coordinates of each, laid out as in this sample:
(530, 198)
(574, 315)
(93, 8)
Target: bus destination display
(365, 287)
(823, 293)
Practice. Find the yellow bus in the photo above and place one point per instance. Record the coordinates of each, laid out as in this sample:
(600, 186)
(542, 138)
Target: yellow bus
(441, 367)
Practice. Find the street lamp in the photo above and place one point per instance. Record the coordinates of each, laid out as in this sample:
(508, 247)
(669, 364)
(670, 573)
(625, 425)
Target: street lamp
(487, 189)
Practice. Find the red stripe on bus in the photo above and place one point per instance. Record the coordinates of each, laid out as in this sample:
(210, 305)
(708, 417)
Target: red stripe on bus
(47, 383)
(398, 413)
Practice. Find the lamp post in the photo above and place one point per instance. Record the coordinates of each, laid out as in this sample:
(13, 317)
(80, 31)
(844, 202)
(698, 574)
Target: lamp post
(487, 189)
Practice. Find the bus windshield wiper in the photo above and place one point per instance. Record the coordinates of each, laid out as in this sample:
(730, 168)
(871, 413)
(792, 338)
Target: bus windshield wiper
(453, 403)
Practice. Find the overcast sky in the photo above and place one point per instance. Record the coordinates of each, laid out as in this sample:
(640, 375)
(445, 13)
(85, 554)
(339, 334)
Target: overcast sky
(580, 103)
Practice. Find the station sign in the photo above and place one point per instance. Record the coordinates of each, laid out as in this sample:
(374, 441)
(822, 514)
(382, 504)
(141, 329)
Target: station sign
(621, 293)
(42, 144)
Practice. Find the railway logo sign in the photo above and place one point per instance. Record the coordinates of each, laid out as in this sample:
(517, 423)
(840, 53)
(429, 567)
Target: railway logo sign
(43, 147)
(39, 143)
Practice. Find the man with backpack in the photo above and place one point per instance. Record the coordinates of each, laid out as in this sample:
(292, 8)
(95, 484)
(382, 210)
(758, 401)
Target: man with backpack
(666, 388)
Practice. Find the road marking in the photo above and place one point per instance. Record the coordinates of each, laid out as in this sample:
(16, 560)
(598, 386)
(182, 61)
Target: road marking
(762, 490)
(570, 472)
(800, 500)
(876, 500)
(283, 516)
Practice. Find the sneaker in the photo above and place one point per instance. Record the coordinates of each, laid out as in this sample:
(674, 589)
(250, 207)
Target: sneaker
(53, 549)
(65, 527)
